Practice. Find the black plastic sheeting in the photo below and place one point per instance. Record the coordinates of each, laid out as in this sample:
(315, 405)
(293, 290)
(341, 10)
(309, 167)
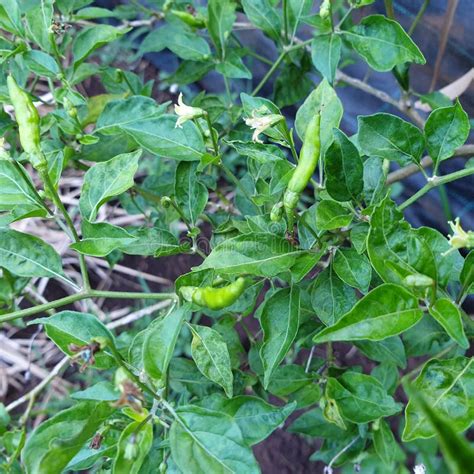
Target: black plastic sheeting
(457, 60)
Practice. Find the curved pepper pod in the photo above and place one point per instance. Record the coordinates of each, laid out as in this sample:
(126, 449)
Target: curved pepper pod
(307, 163)
(214, 298)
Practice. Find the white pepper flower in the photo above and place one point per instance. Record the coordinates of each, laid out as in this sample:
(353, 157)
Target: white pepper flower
(260, 124)
(419, 469)
(186, 112)
(460, 238)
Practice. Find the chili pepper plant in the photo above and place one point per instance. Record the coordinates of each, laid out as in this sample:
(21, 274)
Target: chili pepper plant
(309, 304)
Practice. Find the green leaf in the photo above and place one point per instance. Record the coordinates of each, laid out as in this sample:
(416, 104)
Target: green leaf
(38, 22)
(28, 256)
(259, 254)
(179, 39)
(256, 418)
(467, 273)
(17, 194)
(233, 67)
(100, 239)
(353, 268)
(426, 338)
(297, 11)
(360, 398)
(293, 84)
(263, 16)
(185, 377)
(136, 434)
(436, 99)
(10, 17)
(80, 329)
(92, 38)
(101, 392)
(160, 341)
(93, 13)
(344, 169)
(191, 195)
(386, 311)
(186, 44)
(395, 250)
(374, 180)
(448, 387)
(446, 129)
(153, 241)
(212, 358)
(123, 112)
(449, 316)
(448, 266)
(387, 350)
(358, 236)
(41, 63)
(383, 43)
(208, 441)
(221, 17)
(106, 180)
(326, 53)
(387, 374)
(385, 444)
(391, 138)
(331, 298)
(288, 379)
(51, 446)
(314, 424)
(279, 320)
(360, 3)
(263, 153)
(325, 100)
(161, 137)
(457, 451)
(331, 215)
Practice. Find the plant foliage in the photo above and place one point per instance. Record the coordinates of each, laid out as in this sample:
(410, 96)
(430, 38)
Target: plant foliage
(192, 389)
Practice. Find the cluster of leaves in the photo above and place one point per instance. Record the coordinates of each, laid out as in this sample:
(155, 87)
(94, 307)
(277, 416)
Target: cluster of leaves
(185, 396)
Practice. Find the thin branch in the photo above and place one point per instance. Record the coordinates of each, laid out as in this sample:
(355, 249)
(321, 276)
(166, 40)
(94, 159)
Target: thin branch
(426, 162)
(363, 86)
(381, 95)
(447, 23)
(130, 271)
(38, 388)
(433, 183)
(82, 296)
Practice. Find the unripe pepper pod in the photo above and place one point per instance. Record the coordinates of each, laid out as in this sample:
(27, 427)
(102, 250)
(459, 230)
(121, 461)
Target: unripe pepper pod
(307, 163)
(418, 280)
(215, 298)
(196, 21)
(28, 122)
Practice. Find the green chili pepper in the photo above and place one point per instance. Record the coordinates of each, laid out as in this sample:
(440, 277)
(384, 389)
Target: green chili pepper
(309, 157)
(215, 298)
(196, 21)
(28, 123)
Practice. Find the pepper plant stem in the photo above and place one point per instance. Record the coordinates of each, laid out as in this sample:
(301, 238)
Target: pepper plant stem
(269, 73)
(21, 313)
(58, 203)
(436, 181)
(277, 63)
